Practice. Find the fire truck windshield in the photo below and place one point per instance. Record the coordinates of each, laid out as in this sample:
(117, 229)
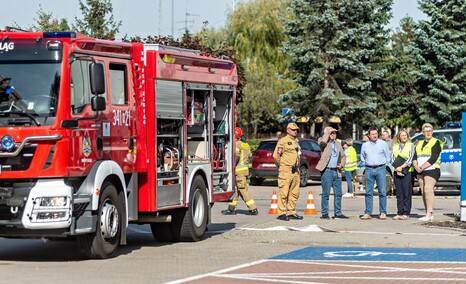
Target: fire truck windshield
(30, 73)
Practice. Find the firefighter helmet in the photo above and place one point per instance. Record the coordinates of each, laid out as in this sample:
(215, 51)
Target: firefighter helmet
(238, 132)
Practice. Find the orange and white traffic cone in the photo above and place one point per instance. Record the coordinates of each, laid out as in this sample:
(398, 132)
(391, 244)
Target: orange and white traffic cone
(310, 208)
(274, 206)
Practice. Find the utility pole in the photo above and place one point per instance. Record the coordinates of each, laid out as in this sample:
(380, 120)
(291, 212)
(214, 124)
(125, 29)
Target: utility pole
(173, 18)
(160, 17)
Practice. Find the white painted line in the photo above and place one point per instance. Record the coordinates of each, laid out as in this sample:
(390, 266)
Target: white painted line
(294, 277)
(216, 273)
(398, 233)
(310, 228)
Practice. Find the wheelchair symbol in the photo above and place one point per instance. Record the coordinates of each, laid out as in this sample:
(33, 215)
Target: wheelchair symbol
(359, 253)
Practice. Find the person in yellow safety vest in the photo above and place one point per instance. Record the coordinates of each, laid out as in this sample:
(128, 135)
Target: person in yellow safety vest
(402, 157)
(426, 162)
(351, 166)
(243, 153)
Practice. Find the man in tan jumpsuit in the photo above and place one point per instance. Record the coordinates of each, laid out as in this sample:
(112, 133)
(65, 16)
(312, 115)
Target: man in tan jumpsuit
(286, 157)
(243, 153)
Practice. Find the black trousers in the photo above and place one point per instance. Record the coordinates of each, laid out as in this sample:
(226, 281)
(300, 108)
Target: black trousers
(404, 193)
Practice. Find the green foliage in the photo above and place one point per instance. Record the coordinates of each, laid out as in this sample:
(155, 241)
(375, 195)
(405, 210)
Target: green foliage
(255, 31)
(397, 89)
(47, 23)
(439, 54)
(95, 22)
(338, 51)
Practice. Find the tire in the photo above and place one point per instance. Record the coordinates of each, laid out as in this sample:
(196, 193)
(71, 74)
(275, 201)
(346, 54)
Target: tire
(162, 232)
(189, 225)
(103, 243)
(256, 181)
(303, 176)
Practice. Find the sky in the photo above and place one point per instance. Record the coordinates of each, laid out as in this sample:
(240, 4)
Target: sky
(142, 17)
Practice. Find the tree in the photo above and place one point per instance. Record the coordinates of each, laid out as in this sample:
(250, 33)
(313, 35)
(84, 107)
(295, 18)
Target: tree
(47, 23)
(255, 31)
(440, 56)
(338, 49)
(397, 87)
(95, 22)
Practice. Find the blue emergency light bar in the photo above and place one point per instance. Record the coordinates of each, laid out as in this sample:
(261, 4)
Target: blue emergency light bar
(59, 35)
(453, 125)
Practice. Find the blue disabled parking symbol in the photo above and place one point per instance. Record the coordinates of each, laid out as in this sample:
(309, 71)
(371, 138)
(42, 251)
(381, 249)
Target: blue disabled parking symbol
(376, 254)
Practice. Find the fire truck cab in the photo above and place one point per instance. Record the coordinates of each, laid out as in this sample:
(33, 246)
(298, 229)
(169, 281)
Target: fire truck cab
(97, 134)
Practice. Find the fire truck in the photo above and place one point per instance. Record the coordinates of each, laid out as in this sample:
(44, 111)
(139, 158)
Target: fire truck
(98, 134)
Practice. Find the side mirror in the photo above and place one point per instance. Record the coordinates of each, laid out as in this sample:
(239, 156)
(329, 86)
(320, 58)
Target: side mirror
(97, 78)
(98, 103)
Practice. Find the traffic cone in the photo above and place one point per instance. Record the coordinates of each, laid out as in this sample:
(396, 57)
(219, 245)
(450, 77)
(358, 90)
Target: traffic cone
(310, 208)
(274, 206)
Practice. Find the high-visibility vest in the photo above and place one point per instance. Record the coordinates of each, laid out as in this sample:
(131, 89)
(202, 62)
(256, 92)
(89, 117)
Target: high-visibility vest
(423, 154)
(404, 153)
(351, 159)
(244, 151)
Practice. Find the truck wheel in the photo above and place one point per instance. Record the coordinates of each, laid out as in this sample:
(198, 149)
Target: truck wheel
(162, 232)
(256, 181)
(104, 242)
(303, 176)
(189, 225)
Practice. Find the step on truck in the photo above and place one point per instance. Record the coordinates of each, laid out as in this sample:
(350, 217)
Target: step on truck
(99, 134)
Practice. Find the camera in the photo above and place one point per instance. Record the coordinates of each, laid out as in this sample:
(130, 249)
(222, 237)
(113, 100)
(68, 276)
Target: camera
(294, 169)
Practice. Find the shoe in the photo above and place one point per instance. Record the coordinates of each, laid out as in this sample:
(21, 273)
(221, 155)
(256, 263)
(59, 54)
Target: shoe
(404, 217)
(341, 216)
(398, 217)
(283, 217)
(365, 217)
(347, 195)
(383, 216)
(427, 219)
(252, 212)
(325, 216)
(228, 212)
(295, 217)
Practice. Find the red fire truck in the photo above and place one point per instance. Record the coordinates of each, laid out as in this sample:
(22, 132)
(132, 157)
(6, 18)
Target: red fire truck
(98, 134)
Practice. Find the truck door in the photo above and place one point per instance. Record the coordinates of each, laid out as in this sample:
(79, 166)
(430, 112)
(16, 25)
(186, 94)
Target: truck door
(84, 150)
(121, 123)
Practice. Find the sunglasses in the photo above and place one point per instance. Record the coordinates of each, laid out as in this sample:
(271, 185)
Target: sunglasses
(333, 132)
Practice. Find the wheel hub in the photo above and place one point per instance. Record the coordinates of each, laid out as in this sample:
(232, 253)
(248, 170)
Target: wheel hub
(109, 221)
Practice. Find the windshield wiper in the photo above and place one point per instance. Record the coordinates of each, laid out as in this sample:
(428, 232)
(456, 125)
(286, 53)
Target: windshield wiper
(29, 115)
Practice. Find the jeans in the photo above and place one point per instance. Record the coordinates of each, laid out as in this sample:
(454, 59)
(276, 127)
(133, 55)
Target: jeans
(330, 178)
(349, 180)
(371, 176)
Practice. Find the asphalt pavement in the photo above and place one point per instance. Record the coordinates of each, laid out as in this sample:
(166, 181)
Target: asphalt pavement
(352, 232)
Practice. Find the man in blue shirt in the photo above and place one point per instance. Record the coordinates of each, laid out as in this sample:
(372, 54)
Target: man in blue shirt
(331, 163)
(375, 156)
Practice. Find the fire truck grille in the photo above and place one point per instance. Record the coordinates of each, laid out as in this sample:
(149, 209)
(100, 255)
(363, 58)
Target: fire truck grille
(20, 162)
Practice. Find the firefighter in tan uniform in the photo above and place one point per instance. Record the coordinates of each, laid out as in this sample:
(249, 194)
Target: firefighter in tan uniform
(286, 157)
(243, 153)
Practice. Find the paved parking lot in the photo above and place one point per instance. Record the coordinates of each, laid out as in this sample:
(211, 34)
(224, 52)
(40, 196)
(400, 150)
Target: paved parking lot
(348, 265)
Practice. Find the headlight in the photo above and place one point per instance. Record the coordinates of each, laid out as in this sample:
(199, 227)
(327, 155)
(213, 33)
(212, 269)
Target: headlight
(59, 201)
(8, 143)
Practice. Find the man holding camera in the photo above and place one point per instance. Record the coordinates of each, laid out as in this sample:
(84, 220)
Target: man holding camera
(331, 163)
(286, 158)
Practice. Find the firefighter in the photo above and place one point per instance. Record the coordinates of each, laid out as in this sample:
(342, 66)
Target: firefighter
(286, 158)
(243, 153)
